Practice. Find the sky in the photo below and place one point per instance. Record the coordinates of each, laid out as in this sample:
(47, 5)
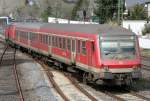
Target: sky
(132, 2)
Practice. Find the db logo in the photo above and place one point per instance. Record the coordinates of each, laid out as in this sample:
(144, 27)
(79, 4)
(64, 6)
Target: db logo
(120, 62)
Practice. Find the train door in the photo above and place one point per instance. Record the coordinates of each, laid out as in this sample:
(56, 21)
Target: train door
(73, 51)
(90, 50)
(49, 45)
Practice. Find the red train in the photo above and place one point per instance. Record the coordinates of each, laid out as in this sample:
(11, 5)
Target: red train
(101, 52)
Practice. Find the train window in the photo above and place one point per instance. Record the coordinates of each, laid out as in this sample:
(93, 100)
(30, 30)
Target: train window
(60, 42)
(30, 35)
(84, 47)
(52, 40)
(49, 40)
(78, 46)
(69, 44)
(40, 38)
(45, 39)
(64, 43)
(73, 45)
(57, 43)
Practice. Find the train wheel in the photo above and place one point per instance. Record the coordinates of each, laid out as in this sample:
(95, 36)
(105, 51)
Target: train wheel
(84, 78)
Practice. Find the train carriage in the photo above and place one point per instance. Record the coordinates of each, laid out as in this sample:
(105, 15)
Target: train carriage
(102, 52)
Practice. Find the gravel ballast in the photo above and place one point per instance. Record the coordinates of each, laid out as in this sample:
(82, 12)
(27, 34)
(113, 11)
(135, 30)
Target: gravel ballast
(34, 81)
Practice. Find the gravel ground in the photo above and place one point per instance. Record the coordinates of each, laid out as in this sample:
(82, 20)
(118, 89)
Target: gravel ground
(8, 90)
(97, 94)
(68, 88)
(143, 86)
(34, 82)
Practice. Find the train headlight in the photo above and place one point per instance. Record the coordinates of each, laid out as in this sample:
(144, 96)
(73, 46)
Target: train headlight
(136, 68)
(106, 68)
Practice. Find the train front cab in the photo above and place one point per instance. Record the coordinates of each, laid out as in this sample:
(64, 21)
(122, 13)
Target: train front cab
(120, 58)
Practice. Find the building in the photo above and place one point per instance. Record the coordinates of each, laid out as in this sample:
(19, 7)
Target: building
(147, 4)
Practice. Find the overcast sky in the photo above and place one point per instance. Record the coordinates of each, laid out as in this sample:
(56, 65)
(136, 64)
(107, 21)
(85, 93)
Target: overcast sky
(132, 2)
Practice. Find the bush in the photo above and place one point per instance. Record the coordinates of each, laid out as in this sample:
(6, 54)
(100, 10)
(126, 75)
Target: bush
(146, 29)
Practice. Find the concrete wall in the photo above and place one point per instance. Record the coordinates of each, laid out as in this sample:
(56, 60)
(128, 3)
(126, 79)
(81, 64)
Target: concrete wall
(135, 25)
(149, 9)
(144, 43)
(59, 20)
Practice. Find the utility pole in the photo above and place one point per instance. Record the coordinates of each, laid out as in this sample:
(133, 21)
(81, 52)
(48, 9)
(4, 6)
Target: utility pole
(3, 7)
(118, 12)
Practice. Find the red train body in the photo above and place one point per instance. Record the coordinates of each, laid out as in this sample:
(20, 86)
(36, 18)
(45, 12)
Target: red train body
(103, 52)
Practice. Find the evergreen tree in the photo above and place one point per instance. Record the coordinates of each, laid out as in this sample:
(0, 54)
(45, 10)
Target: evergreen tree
(107, 10)
(138, 13)
(146, 29)
(75, 9)
(47, 12)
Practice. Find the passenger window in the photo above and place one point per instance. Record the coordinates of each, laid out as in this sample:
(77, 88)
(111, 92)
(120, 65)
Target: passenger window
(49, 40)
(69, 44)
(60, 43)
(64, 43)
(40, 38)
(45, 39)
(84, 47)
(73, 45)
(78, 46)
(53, 42)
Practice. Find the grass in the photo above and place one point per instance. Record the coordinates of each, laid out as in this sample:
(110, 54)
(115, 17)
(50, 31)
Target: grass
(145, 52)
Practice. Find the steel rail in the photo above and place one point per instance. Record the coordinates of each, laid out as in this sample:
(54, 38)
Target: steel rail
(74, 82)
(18, 85)
(3, 54)
(146, 67)
(14, 71)
(55, 85)
(145, 57)
(113, 96)
(132, 92)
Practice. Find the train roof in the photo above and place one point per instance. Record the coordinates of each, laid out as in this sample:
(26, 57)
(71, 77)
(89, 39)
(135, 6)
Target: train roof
(103, 29)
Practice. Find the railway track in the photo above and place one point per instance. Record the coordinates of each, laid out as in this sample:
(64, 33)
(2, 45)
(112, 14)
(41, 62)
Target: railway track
(119, 94)
(145, 58)
(131, 96)
(128, 96)
(65, 95)
(144, 65)
(15, 72)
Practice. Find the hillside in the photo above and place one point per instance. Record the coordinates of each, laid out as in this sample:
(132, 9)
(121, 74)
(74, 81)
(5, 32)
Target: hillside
(61, 7)
(8, 6)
